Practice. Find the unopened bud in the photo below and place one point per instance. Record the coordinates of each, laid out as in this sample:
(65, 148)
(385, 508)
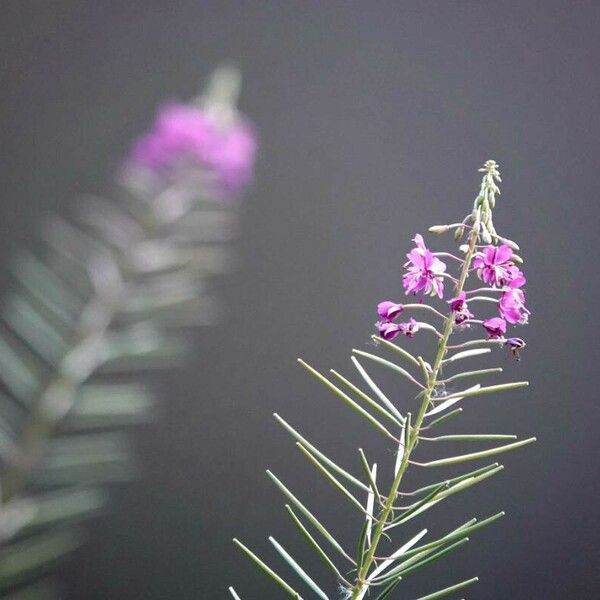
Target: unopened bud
(439, 228)
(459, 233)
(509, 243)
(485, 234)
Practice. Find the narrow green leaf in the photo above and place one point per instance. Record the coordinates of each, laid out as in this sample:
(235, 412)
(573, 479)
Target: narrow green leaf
(473, 374)
(287, 588)
(371, 504)
(64, 505)
(447, 416)
(490, 389)
(455, 479)
(422, 506)
(475, 455)
(331, 478)
(466, 354)
(368, 472)
(361, 411)
(388, 364)
(469, 437)
(401, 552)
(367, 399)
(388, 403)
(234, 594)
(389, 589)
(32, 555)
(449, 590)
(19, 370)
(311, 540)
(35, 328)
(450, 537)
(395, 348)
(308, 446)
(361, 546)
(448, 401)
(298, 569)
(411, 511)
(434, 557)
(316, 523)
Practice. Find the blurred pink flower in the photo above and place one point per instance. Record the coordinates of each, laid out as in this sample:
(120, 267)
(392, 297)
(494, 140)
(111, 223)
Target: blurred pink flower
(184, 134)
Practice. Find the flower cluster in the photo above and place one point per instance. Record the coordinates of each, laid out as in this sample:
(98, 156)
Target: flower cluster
(388, 330)
(425, 274)
(189, 135)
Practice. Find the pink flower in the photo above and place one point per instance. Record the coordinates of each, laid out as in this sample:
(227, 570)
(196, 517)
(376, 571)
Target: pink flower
(512, 306)
(496, 327)
(495, 267)
(409, 329)
(515, 344)
(459, 307)
(388, 331)
(388, 310)
(425, 272)
(188, 135)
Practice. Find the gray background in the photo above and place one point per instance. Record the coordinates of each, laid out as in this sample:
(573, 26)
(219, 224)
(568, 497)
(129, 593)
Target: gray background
(373, 119)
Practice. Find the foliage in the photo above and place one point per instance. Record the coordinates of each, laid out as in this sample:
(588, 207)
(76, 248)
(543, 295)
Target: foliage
(382, 510)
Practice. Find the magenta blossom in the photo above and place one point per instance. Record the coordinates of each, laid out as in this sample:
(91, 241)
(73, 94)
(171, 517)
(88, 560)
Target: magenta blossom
(496, 327)
(512, 306)
(425, 272)
(409, 329)
(388, 331)
(188, 135)
(459, 307)
(388, 310)
(496, 268)
(515, 344)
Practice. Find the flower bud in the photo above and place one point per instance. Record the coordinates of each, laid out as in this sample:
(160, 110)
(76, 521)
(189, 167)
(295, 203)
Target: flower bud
(509, 243)
(439, 229)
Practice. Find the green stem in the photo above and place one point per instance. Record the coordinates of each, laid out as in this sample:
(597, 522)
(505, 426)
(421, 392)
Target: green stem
(414, 433)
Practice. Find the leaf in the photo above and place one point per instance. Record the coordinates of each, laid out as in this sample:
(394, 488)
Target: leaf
(390, 365)
(33, 555)
(395, 348)
(443, 418)
(363, 413)
(466, 354)
(371, 503)
(369, 473)
(490, 389)
(278, 580)
(397, 554)
(315, 546)
(457, 534)
(372, 404)
(449, 590)
(477, 373)
(475, 455)
(298, 569)
(234, 594)
(316, 523)
(308, 446)
(456, 479)
(390, 406)
(329, 477)
(389, 589)
(469, 437)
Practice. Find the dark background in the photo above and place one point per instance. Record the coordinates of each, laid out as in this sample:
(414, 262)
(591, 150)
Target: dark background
(373, 119)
